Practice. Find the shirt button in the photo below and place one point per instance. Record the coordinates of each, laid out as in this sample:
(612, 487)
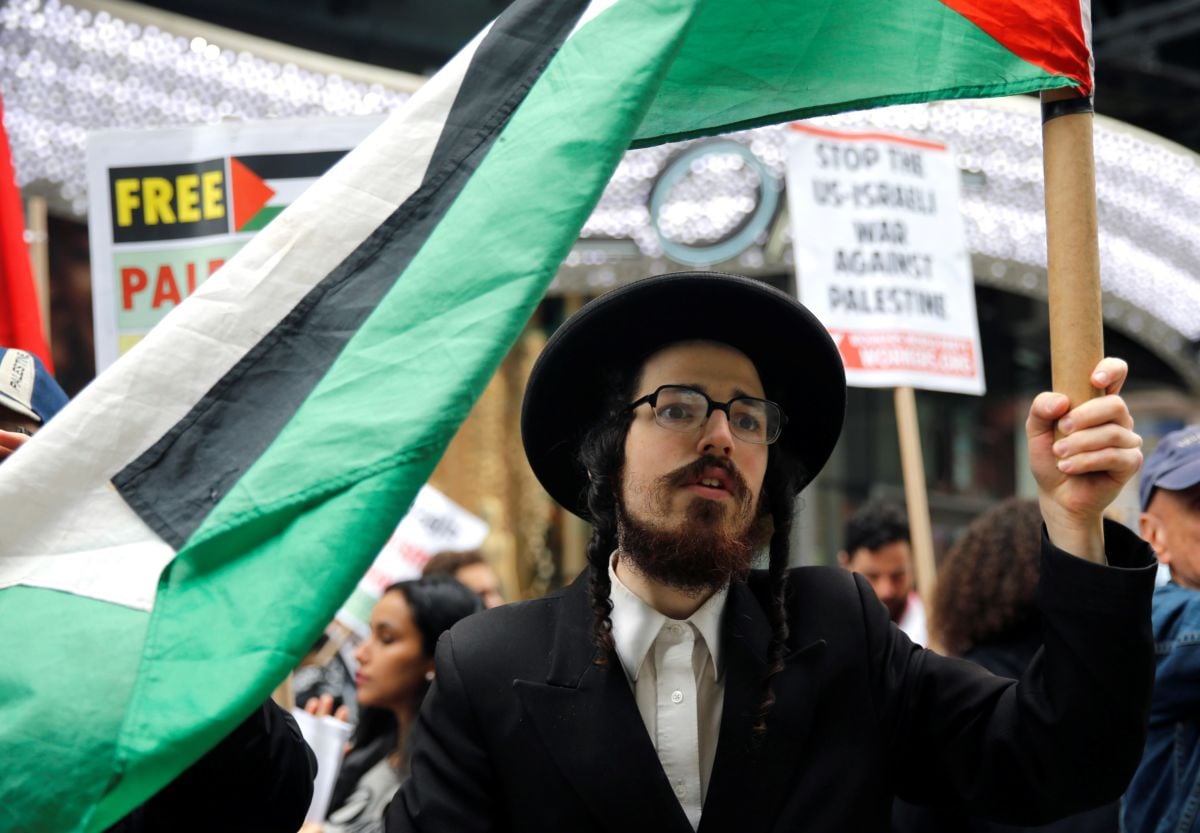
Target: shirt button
(676, 696)
(680, 791)
(674, 628)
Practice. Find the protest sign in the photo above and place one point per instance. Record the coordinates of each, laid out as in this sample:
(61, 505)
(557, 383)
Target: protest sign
(326, 736)
(434, 524)
(881, 257)
(166, 208)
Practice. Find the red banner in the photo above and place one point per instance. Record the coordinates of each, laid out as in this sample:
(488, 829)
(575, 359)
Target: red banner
(20, 316)
(915, 352)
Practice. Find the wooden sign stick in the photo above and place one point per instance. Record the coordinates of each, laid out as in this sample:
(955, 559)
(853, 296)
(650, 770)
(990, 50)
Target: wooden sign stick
(1072, 243)
(39, 257)
(916, 498)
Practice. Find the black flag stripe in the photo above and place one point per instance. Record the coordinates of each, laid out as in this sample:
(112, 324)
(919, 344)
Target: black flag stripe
(175, 483)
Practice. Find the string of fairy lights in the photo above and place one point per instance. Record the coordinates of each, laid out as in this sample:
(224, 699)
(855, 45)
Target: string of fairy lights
(66, 70)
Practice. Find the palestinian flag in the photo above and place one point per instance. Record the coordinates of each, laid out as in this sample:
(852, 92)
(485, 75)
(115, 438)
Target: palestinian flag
(265, 184)
(176, 539)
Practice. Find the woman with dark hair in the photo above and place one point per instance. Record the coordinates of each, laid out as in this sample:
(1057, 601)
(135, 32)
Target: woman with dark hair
(395, 669)
(984, 610)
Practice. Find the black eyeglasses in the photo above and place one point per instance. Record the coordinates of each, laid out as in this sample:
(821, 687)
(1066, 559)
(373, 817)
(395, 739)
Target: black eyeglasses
(684, 409)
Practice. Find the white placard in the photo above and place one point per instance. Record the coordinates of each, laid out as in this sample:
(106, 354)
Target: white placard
(167, 208)
(881, 257)
(326, 737)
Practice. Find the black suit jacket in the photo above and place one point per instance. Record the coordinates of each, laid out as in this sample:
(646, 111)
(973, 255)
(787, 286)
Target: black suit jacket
(522, 731)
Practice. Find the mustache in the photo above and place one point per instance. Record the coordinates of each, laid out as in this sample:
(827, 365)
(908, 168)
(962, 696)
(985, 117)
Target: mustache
(689, 474)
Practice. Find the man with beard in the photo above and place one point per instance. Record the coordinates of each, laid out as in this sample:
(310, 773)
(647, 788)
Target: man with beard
(878, 547)
(672, 688)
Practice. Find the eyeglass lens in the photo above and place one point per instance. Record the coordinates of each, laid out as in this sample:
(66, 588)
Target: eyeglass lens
(685, 409)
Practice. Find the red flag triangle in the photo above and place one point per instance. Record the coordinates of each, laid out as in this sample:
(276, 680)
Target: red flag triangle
(1051, 34)
(250, 193)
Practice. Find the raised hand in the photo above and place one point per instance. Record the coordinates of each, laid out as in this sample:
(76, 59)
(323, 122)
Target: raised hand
(323, 707)
(1081, 473)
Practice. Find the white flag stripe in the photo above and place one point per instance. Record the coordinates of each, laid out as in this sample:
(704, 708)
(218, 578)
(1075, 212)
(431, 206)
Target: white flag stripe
(594, 10)
(82, 536)
(287, 191)
(1085, 17)
(137, 400)
(122, 581)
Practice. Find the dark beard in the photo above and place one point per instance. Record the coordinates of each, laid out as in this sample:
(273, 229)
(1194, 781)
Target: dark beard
(707, 552)
(896, 608)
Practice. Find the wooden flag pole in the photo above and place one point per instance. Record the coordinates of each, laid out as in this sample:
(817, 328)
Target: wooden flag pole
(915, 497)
(1073, 249)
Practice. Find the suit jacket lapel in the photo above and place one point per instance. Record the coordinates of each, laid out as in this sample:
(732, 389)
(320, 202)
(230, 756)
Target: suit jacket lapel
(751, 776)
(587, 718)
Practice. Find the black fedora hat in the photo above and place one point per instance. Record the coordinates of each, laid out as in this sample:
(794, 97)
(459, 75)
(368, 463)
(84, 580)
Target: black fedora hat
(797, 361)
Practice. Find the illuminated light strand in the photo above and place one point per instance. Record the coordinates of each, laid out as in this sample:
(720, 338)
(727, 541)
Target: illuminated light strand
(66, 71)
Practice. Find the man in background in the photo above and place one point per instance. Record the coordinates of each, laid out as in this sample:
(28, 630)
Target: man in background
(1166, 788)
(878, 547)
(470, 568)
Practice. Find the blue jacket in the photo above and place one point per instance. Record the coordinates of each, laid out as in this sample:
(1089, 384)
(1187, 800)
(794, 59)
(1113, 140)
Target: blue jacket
(1164, 796)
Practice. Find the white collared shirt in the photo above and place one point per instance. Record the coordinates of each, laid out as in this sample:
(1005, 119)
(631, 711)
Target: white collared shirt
(912, 621)
(674, 667)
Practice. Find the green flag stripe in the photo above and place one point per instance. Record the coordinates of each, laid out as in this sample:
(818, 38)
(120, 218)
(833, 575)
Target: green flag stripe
(1045, 82)
(51, 666)
(265, 215)
(826, 56)
(297, 546)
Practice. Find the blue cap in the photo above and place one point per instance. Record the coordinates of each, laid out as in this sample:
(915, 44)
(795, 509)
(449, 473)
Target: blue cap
(1174, 464)
(26, 386)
